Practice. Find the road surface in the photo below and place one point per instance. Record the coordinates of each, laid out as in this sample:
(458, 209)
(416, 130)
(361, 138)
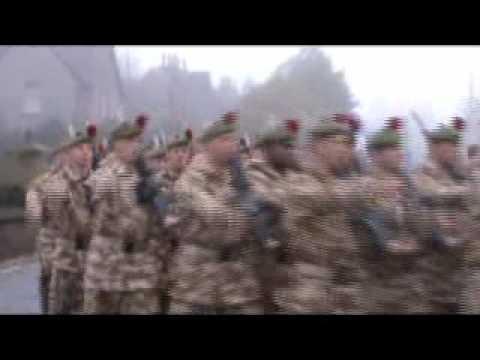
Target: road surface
(19, 287)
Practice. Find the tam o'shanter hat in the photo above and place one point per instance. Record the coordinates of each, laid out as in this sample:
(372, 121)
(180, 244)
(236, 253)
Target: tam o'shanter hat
(87, 137)
(227, 125)
(286, 133)
(182, 142)
(337, 125)
(127, 130)
(389, 136)
(448, 133)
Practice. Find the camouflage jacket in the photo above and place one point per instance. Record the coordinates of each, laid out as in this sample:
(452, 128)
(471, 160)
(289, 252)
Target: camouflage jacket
(320, 208)
(447, 200)
(212, 262)
(126, 242)
(62, 206)
(272, 186)
(36, 219)
(407, 220)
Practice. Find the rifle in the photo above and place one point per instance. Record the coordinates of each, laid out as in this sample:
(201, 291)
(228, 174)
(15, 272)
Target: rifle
(96, 158)
(264, 216)
(420, 123)
(148, 194)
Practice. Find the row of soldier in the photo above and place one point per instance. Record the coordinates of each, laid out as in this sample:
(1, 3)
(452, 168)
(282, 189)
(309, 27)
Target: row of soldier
(205, 226)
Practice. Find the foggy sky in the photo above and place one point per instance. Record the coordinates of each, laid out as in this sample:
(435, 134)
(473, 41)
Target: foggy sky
(385, 80)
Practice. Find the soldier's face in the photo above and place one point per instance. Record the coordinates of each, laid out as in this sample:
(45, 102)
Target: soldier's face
(127, 149)
(81, 156)
(156, 164)
(223, 148)
(445, 153)
(337, 152)
(281, 155)
(391, 159)
(176, 158)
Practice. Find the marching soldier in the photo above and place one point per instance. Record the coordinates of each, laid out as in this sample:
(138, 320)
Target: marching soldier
(212, 269)
(471, 292)
(123, 263)
(179, 154)
(394, 285)
(36, 218)
(267, 174)
(66, 212)
(444, 192)
(326, 273)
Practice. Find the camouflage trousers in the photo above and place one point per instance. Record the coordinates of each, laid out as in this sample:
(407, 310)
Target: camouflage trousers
(215, 287)
(65, 292)
(394, 286)
(470, 298)
(45, 246)
(139, 302)
(43, 288)
(313, 289)
(441, 274)
(179, 308)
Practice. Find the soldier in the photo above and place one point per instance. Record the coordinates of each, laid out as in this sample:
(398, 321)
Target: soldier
(37, 219)
(394, 284)
(123, 265)
(444, 191)
(245, 149)
(163, 179)
(65, 204)
(471, 291)
(179, 154)
(212, 271)
(326, 271)
(267, 173)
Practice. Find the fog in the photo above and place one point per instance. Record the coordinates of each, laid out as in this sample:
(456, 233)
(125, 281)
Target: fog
(52, 88)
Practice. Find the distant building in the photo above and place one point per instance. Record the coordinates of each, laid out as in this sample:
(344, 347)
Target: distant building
(43, 85)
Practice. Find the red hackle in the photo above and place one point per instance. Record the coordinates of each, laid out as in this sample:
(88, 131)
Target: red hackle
(230, 117)
(141, 121)
(293, 126)
(91, 130)
(458, 123)
(395, 123)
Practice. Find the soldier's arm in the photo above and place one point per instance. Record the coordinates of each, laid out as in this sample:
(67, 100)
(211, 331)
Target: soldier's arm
(305, 191)
(196, 206)
(33, 208)
(275, 194)
(433, 192)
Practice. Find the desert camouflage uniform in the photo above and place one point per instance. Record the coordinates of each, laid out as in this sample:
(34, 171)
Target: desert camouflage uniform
(271, 185)
(394, 285)
(471, 292)
(123, 264)
(67, 222)
(212, 268)
(165, 180)
(448, 209)
(72, 243)
(326, 272)
(36, 216)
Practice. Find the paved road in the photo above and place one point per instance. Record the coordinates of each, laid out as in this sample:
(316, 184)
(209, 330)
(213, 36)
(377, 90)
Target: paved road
(18, 287)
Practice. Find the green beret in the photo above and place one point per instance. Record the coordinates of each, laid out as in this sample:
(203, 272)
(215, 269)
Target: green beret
(384, 138)
(178, 143)
(276, 136)
(227, 125)
(125, 131)
(445, 134)
(330, 127)
(87, 137)
(155, 153)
